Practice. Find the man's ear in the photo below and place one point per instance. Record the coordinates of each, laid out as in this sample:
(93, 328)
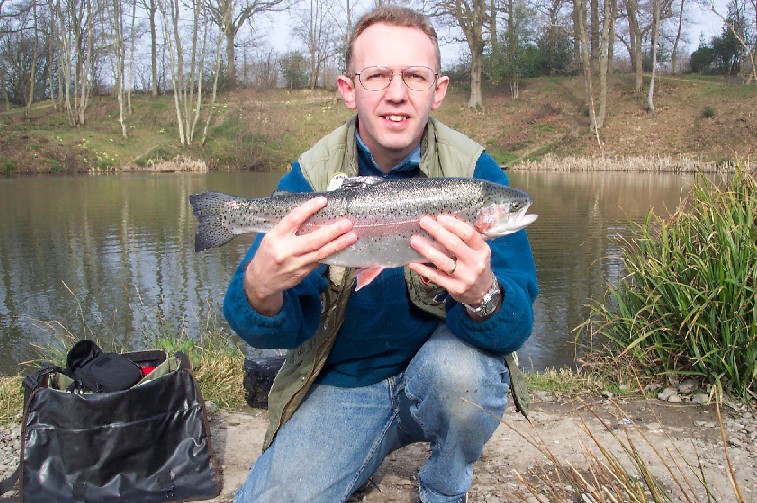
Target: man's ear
(440, 91)
(347, 87)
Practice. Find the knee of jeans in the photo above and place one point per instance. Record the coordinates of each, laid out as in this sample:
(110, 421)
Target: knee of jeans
(463, 382)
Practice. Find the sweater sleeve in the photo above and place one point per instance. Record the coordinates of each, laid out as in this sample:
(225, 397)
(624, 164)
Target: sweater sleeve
(298, 319)
(513, 265)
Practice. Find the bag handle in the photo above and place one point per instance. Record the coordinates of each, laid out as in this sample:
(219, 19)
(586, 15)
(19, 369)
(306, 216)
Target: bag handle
(184, 361)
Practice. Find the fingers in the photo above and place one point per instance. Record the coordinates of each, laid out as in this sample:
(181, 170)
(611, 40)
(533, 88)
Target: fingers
(453, 239)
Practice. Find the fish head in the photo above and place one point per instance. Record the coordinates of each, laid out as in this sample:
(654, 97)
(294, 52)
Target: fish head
(505, 213)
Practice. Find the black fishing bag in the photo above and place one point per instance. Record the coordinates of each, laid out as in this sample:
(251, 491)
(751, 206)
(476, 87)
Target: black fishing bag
(259, 374)
(149, 442)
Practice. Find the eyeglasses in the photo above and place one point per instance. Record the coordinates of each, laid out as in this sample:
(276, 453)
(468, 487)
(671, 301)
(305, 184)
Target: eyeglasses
(378, 78)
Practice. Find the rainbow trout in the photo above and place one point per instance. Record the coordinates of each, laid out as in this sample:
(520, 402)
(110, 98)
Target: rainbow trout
(384, 213)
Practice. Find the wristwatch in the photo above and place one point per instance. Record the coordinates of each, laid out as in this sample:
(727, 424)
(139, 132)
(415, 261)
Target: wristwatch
(489, 302)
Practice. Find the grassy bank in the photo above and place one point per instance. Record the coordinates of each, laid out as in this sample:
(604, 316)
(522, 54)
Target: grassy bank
(699, 121)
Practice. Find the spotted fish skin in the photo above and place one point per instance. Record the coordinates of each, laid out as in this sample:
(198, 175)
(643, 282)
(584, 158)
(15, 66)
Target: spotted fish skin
(384, 213)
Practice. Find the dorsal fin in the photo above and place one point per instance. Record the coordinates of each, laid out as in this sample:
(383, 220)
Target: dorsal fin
(361, 182)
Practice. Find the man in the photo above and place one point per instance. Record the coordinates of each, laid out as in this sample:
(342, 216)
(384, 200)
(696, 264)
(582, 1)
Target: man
(405, 358)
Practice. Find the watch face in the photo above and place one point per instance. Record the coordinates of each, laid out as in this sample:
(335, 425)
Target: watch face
(490, 301)
(489, 306)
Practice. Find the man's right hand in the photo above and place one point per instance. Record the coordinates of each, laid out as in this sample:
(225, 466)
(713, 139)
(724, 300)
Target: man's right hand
(285, 257)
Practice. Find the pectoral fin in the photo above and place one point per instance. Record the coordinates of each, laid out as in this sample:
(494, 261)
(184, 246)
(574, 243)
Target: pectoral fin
(365, 276)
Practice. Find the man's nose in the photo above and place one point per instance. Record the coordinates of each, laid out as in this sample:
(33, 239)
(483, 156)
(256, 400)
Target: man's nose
(397, 90)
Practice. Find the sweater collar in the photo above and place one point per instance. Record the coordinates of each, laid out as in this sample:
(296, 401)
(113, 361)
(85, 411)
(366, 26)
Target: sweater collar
(407, 167)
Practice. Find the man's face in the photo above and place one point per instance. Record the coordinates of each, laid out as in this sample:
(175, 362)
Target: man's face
(392, 121)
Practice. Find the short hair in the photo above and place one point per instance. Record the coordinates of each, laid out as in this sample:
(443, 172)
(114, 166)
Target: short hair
(393, 15)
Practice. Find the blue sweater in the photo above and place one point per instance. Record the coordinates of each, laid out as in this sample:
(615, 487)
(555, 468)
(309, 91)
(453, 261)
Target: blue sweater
(382, 330)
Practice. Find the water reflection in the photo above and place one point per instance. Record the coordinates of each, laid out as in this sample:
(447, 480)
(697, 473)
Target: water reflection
(113, 255)
(575, 246)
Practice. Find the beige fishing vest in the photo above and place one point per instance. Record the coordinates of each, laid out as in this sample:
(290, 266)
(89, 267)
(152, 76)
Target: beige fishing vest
(444, 153)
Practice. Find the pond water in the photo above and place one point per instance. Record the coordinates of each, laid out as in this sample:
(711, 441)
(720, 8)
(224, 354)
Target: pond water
(113, 256)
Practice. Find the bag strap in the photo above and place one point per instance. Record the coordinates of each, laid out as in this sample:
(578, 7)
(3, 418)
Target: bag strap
(518, 388)
(7, 484)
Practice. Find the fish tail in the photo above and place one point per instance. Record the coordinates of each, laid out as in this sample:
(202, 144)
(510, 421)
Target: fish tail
(208, 208)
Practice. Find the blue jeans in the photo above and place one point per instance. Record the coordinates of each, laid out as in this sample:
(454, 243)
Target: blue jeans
(339, 436)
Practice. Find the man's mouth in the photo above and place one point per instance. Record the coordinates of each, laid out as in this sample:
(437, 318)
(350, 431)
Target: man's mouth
(395, 118)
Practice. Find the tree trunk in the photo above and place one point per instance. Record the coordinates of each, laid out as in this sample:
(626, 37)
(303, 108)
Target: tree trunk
(51, 41)
(477, 69)
(636, 38)
(611, 40)
(153, 10)
(674, 54)
(33, 66)
(131, 57)
(493, 36)
(604, 47)
(231, 69)
(586, 62)
(577, 55)
(655, 35)
(594, 36)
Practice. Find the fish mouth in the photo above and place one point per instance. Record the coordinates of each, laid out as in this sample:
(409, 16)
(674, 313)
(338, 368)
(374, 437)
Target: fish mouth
(510, 223)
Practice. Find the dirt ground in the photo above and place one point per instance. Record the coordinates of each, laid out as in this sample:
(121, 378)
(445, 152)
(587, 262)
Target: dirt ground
(679, 444)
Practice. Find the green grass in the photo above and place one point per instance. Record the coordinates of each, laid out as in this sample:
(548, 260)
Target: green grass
(687, 305)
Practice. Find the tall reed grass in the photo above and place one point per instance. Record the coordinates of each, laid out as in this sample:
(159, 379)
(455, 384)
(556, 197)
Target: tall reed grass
(687, 305)
(649, 163)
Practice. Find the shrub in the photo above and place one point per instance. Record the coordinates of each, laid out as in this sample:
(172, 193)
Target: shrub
(8, 166)
(56, 167)
(708, 112)
(687, 305)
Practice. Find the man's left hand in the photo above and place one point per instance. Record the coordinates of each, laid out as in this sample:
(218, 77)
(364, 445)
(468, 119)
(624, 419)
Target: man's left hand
(461, 256)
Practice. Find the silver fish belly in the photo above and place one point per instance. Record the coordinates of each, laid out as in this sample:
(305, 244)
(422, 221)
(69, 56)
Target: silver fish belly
(384, 213)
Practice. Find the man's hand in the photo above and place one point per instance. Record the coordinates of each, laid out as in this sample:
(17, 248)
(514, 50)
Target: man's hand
(284, 258)
(461, 256)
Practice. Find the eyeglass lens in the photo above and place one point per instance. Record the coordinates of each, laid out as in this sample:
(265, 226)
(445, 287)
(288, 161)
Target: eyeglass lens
(376, 78)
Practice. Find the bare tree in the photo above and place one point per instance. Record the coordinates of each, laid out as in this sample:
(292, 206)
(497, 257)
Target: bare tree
(677, 38)
(597, 119)
(113, 31)
(472, 17)
(640, 17)
(636, 41)
(33, 65)
(75, 31)
(317, 30)
(187, 77)
(151, 9)
(231, 15)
